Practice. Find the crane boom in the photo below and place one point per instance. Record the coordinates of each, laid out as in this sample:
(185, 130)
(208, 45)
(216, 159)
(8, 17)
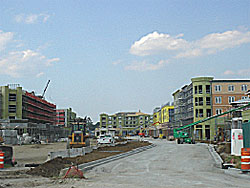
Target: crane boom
(45, 88)
(212, 117)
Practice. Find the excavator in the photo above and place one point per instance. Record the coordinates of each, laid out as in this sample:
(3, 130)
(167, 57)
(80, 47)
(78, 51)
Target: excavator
(78, 137)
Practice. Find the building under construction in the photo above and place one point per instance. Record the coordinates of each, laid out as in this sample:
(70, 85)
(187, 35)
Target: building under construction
(28, 113)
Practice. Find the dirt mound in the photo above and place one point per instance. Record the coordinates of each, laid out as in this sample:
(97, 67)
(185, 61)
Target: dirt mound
(53, 167)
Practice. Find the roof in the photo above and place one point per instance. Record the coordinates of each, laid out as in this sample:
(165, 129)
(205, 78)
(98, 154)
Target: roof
(231, 80)
(242, 101)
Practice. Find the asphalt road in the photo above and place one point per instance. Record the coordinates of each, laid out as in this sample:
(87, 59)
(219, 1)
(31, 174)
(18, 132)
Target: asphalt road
(166, 165)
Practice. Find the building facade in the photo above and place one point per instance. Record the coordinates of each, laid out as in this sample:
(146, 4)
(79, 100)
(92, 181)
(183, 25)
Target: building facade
(205, 97)
(64, 117)
(227, 91)
(17, 104)
(28, 113)
(125, 122)
(183, 106)
(202, 106)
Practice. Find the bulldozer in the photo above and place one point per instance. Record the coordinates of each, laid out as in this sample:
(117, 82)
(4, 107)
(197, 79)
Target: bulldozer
(78, 137)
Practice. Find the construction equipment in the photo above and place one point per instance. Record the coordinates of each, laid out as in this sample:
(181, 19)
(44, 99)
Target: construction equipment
(45, 88)
(78, 137)
(184, 137)
(8, 154)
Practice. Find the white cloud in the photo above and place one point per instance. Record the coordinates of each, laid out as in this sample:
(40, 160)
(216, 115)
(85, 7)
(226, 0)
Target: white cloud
(242, 72)
(159, 43)
(31, 18)
(5, 38)
(24, 63)
(117, 62)
(154, 43)
(145, 66)
(229, 72)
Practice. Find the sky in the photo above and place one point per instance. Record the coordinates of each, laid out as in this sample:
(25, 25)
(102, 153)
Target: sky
(108, 56)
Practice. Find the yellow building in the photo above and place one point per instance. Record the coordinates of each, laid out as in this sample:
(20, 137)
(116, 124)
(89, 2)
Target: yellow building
(157, 116)
(166, 111)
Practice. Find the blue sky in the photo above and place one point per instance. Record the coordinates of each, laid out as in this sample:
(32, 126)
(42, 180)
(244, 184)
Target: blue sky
(113, 55)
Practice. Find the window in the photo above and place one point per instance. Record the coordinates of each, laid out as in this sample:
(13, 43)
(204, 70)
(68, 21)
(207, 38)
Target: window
(200, 112)
(12, 97)
(217, 88)
(200, 101)
(195, 89)
(231, 88)
(208, 101)
(12, 108)
(243, 87)
(208, 89)
(209, 112)
(218, 100)
(231, 99)
(218, 111)
(196, 101)
(200, 89)
(244, 97)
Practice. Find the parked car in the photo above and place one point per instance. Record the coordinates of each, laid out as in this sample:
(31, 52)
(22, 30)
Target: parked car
(106, 139)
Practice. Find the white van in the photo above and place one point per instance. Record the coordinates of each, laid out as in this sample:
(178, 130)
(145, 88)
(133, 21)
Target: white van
(106, 139)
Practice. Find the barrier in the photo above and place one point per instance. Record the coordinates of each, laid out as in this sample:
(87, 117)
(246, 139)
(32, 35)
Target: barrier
(1, 159)
(245, 159)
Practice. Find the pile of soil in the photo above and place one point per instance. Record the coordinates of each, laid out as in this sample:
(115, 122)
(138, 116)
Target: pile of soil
(224, 150)
(53, 167)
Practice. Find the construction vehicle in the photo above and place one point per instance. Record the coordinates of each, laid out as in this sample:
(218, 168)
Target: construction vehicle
(78, 137)
(184, 137)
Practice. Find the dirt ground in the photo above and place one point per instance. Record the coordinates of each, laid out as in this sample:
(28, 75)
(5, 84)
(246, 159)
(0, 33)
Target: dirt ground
(37, 153)
(38, 177)
(52, 168)
(224, 150)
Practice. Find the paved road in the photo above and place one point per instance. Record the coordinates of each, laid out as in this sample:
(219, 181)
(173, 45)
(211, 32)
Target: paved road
(166, 165)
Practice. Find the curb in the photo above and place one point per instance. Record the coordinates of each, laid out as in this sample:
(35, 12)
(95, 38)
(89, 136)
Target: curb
(218, 160)
(92, 164)
(219, 164)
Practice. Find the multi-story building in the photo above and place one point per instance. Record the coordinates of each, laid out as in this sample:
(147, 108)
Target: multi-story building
(157, 116)
(163, 114)
(227, 91)
(166, 113)
(125, 122)
(64, 117)
(202, 106)
(205, 97)
(27, 113)
(183, 106)
(18, 104)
